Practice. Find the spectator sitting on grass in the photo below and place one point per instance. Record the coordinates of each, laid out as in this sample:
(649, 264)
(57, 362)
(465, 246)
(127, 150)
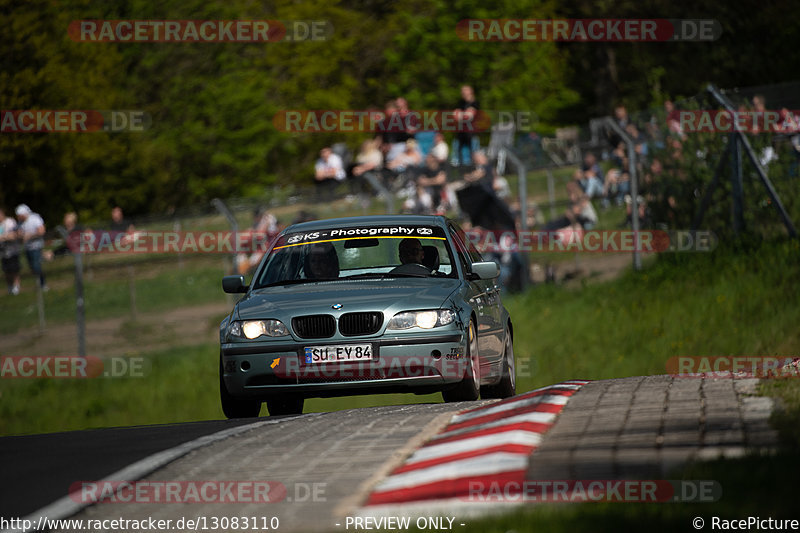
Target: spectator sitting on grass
(369, 161)
(617, 185)
(440, 149)
(328, 172)
(409, 159)
(580, 212)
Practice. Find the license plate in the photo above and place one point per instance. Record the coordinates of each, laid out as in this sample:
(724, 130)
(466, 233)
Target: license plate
(338, 352)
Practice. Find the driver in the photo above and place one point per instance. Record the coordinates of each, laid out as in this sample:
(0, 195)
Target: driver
(321, 262)
(410, 251)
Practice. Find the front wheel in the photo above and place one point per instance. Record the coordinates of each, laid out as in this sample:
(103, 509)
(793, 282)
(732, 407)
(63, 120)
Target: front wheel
(469, 388)
(507, 386)
(236, 407)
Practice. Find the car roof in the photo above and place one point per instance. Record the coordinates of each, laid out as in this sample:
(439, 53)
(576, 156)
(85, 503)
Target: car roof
(370, 220)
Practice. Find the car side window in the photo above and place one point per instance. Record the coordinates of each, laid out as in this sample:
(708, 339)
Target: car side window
(461, 248)
(473, 253)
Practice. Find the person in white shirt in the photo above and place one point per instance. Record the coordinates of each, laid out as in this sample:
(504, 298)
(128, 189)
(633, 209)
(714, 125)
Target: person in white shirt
(31, 231)
(9, 252)
(440, 149)
(329, 171)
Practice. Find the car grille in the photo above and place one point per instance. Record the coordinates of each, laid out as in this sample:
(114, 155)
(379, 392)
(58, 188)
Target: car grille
(314, 326)
(351, 324)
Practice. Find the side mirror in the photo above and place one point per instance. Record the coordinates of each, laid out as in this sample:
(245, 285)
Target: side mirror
(485, 270)
(234, 284)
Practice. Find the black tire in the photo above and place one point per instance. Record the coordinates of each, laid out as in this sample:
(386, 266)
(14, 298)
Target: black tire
(469, 388)
(285, 406)
(236, 407)
(507, 386)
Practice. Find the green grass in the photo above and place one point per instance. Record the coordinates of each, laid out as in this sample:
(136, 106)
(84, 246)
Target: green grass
(179, 385)
(722, 303)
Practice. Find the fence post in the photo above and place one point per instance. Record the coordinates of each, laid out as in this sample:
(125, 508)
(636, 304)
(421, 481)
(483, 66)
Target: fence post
(737, 213)
(40, 307)
(551, 193)
(80, 311)
(220, 206)
(522, 177)
(176, 227)
(132, 291)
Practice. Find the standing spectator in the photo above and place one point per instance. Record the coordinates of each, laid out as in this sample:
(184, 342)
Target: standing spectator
(120, 224)
(74, 231)
(263, 230)
(31, 230)
(9, 252)
(393, 135)
(483, 172)
(328, 172)
(465, 141)
(622, 120)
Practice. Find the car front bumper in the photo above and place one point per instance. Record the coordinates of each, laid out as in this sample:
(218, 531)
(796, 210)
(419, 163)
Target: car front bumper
(401, 363)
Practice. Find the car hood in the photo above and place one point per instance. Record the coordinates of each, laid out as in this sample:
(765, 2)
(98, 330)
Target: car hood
(387, 295)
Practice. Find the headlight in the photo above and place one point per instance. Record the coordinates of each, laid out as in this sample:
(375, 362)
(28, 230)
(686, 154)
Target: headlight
(252, 329)
(422, 319)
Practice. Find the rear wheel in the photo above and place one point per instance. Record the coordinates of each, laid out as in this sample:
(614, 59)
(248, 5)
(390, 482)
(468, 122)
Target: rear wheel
(508, 382)
(285, 406)
(236, 407)
(469, 388)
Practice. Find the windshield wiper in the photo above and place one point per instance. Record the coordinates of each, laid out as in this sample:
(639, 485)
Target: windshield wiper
(384, 275)
(295, 282)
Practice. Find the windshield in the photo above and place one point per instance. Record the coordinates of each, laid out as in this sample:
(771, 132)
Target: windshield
(358, 252)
